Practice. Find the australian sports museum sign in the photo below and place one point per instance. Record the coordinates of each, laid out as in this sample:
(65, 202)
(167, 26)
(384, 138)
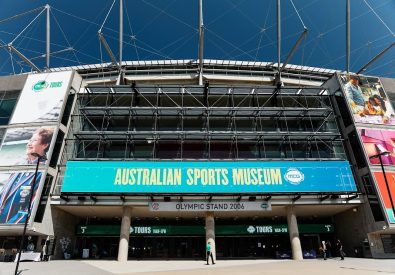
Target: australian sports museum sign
(195, 177)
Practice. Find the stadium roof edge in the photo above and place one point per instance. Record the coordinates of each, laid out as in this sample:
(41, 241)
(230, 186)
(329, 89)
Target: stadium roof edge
(207, 62)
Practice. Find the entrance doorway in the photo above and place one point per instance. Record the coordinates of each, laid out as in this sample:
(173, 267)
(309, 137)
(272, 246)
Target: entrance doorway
(192, 247)
(269, 247)
(99, 247)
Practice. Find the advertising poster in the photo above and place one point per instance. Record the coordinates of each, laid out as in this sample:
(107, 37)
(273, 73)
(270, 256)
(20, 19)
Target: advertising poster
(202, 177)
(41, 98)
(378, 141)
(367, 100)
(385, 196)
(20, 145)
(15, 192)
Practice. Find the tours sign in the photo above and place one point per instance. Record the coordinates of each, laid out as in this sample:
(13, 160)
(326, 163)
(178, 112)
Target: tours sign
(198, 177)
(195, 230)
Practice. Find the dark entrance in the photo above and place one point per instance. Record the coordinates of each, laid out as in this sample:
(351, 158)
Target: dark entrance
(99, 247)
(167, 247)
(270, 247)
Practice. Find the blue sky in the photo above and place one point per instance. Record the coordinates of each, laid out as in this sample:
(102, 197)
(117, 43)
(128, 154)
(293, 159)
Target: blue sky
(234, 30)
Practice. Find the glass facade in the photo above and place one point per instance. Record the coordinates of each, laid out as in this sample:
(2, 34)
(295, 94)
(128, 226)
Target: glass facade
(204, 123)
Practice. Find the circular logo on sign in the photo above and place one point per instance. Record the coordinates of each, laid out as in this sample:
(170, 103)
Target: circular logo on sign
(294, 176)
(155, 206)
(251, 229)
(264, 205)
(40, 85)
(24, 193)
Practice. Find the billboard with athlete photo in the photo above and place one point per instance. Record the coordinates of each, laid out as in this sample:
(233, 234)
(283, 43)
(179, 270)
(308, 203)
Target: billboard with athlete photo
(386, 196)
(42, 97)
(15, 192)
(367, 99)
(21, 144)
(378, 141)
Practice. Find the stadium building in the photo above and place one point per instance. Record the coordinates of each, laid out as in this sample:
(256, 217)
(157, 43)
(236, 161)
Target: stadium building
(151, 159)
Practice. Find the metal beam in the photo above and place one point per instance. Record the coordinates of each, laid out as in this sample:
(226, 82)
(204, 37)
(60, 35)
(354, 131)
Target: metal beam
(24, 58)
(376, 57)
(201, 41)
(22, 14)
(48, 33)
(107, 48)
(294, 48)
(348, 36)
(52, 53)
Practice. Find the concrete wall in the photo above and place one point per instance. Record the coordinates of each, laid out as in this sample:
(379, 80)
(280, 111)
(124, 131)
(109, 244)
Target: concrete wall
(12, 83)
(64, 226)
(353, 228)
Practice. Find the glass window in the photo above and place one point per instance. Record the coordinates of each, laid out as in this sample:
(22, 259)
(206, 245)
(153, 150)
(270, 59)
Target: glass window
(115, 149)
(142, 149)
(168, 150)
(194, 150)
(222, 150)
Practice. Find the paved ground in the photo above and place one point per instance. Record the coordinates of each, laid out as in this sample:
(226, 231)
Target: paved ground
(334, 266)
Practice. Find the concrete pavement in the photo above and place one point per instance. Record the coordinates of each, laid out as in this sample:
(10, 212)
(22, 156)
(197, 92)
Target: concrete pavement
(332, 266)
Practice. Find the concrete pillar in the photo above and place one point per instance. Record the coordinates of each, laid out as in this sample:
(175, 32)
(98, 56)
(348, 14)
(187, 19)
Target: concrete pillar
(210, 232)
(294, 234)
(124, 236)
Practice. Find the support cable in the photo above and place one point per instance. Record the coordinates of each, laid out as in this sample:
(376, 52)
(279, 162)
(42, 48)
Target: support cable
(133, 37)
(12, 61)
(297, 13)
(27, 26)
(381, 20)
(105, 19)
(65, 37)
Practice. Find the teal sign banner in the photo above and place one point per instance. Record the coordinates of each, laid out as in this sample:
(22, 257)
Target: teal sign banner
(194, 177)
(193, 230)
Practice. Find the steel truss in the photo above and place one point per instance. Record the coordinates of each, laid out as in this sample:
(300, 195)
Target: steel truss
(195, 122)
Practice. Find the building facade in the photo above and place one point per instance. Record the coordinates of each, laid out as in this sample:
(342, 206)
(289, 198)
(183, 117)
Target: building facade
(146, 163)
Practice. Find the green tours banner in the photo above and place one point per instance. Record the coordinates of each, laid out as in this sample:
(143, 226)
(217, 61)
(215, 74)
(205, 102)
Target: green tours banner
(194, 230)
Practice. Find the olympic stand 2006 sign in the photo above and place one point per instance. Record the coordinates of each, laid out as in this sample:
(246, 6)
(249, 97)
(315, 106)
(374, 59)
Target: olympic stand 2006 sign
(196, 206)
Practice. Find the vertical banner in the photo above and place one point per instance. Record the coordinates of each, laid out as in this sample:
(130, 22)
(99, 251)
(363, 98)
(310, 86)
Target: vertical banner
(20, 145)
(40, 104)
(15, 191)
(377, 141)
(385, 196)
(367, 99)
(41, 98)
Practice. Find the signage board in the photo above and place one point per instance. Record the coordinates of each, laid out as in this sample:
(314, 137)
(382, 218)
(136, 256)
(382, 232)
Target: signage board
(367, 99)
(15, 192)
(376, 141)
(198, 177)
(21, 144)
(42, 97)
(386, 196)
(193, 230)
(218, 206)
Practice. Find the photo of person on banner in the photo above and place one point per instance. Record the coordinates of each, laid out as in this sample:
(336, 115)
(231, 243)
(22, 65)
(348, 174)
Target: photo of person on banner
(16, 191)
(38, 144)
(15, 195)
(20, 145)
(367, 100)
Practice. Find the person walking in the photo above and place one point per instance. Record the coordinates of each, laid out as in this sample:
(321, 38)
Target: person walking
(209, 253)
(340, 249)
(323, 249)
